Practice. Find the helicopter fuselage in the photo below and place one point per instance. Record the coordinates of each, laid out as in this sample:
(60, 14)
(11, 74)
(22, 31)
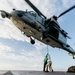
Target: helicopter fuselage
(34, 25)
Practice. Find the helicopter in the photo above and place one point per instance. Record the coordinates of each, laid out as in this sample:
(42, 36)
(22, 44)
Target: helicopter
(36, 25)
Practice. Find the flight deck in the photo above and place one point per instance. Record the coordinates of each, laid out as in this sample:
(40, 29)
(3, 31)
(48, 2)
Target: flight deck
(35, 73)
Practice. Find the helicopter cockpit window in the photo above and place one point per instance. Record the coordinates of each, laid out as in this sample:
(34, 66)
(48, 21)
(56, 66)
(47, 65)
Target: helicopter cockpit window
(32, 13)
(20, 13)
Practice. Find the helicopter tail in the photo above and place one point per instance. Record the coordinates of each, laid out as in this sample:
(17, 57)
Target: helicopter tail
(70, 50)
(70, 54)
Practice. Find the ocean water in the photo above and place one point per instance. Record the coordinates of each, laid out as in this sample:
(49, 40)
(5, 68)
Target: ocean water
(2, 72)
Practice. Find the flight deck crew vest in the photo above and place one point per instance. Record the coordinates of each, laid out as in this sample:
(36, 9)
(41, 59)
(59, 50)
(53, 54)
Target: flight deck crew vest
(45, 60)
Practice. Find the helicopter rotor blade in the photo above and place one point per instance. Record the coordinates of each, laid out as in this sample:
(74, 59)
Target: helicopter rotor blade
(69, 37)
(34, 8)
(66, 11)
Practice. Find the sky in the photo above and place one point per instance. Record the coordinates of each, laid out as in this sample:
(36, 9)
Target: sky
(16, 52)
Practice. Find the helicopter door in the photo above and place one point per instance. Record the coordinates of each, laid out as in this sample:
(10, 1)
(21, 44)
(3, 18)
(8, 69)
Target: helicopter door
(53, 32)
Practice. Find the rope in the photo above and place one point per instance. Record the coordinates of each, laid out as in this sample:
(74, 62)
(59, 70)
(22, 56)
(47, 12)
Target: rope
(47, 50)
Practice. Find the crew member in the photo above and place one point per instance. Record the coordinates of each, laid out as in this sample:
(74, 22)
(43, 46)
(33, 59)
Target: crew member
(45, 63)
(49, 64)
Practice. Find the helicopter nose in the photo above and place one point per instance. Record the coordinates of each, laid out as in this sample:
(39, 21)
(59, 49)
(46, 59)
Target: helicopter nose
(17, 13)
(4, 14)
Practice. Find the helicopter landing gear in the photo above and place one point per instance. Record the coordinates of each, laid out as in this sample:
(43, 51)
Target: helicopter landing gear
(32, 41)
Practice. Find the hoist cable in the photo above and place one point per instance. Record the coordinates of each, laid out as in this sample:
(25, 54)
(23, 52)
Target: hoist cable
(47, 50)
